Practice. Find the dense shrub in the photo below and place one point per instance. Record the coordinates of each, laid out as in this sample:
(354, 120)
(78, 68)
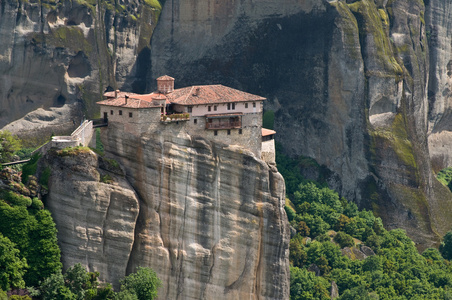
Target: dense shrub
(33, 232)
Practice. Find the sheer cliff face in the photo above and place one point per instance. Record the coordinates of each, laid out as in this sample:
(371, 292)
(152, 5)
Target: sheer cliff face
(210, 219)
(439, 26)
(348, 82)
(65, 54)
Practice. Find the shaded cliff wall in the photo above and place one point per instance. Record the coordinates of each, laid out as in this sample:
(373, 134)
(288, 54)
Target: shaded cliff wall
(64, 53)
(439, 28)
(348, 82)
(208, 218)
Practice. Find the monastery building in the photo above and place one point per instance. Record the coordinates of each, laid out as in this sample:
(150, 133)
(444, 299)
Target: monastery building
(215, 112)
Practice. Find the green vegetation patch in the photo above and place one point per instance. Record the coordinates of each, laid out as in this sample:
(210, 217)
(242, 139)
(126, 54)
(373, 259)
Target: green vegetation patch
(268, 119)
(396, 139)
(445, 177)
(32, 230)
(70, 37)
(154, 4)
(73, 151)
(396, 271)
(372, 22)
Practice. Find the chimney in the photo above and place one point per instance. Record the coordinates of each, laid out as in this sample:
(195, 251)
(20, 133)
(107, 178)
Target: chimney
(165, 84)
(127, 98)
(116, 94)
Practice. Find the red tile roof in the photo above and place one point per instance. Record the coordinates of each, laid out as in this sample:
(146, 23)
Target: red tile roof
(209, 94)
(266, 132)
(194, 95)
(131, 103)
(165, 77)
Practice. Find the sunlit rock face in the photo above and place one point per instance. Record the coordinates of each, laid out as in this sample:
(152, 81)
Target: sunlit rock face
(207, 217)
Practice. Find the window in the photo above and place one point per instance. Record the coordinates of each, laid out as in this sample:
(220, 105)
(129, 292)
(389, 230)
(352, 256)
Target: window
(111, 112)
(246, 105)
(215, 132)
(190, 109)
(120, 112)
(209, 108)
(229, 106)
(195, 121)
(233, 105)
(161, 110)
(215, 108)
(130, 114)
(254, 104)
(229, 131)
(105, 115)
(240, 131)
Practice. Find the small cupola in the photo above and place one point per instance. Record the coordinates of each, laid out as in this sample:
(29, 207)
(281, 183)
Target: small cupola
(165, 84)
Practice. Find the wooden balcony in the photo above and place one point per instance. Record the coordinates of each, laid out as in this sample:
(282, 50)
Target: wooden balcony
(224, 125)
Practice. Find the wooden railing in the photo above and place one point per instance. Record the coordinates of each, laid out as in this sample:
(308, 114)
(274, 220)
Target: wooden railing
(224, 125)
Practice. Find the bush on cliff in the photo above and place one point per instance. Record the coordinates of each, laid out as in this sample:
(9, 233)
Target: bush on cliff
(12, 267)
(9, 144)
(397, 271)
(78, 284)
(33, 232)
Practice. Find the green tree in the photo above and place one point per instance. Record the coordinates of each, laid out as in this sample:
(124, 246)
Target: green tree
(53, 288)
(144, 284)
(34, 233)
(344, 240)
(8, 145)
(305, 285)
(446, 246)
(12, 268)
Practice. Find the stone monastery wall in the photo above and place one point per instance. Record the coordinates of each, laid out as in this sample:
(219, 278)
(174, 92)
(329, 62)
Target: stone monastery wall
(145, 120)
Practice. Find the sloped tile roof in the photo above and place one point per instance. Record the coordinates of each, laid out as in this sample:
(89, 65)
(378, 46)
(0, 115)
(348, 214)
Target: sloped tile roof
(134, 100)
(210, 94)
(165, 77)
(266, 132)
(131, 103)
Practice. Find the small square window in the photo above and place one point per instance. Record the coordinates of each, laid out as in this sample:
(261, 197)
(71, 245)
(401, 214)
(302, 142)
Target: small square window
(120, 112)
(195, 121)
(190, 109)
(229, 131)
(254, 104)
(246, 105)
(130, 114)
(209, 108)
(111, 112)
(215, 108)
(240, 131)
(215, 132)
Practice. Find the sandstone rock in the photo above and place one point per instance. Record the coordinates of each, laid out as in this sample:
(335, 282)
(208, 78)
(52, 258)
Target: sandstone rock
(334, 293)
(353, 95)
(95, 221)
(208, 218)
(367, 250)
(315, 269)
(60, 55)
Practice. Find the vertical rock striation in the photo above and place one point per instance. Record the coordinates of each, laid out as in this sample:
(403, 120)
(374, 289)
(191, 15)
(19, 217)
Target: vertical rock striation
(208, 218)
(65, 54)
(348, 81)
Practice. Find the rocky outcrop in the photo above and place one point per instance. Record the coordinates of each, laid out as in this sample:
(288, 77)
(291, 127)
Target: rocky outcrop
(361, 86)
(95, 212)
(61, 53)
(348, 81)
(210, 218)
